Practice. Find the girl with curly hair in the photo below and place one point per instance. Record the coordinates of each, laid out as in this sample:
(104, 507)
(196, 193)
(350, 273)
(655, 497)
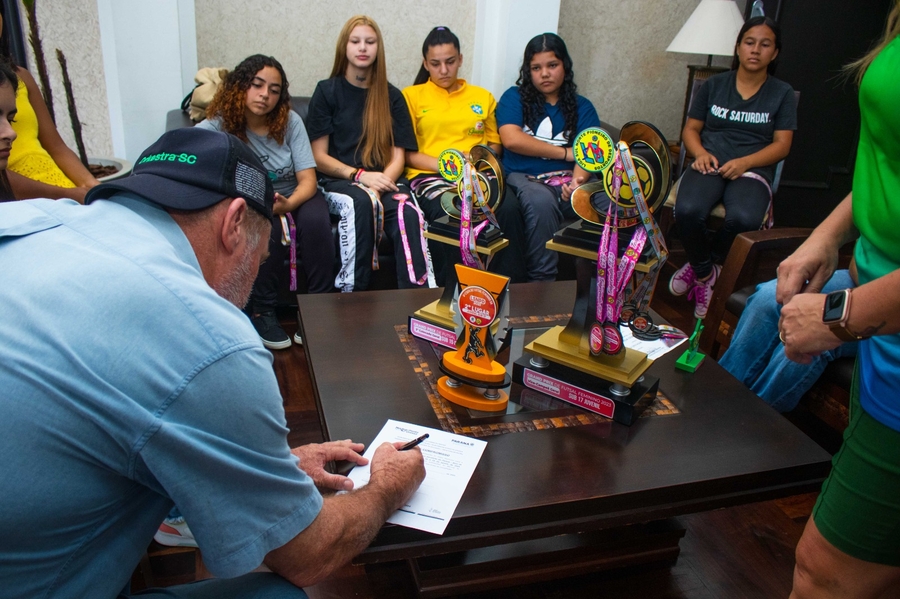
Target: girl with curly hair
(449, 113)
(253, 104)
(359, 128)
(538, 117)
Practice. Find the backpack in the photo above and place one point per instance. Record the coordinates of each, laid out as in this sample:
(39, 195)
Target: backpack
(208, 80)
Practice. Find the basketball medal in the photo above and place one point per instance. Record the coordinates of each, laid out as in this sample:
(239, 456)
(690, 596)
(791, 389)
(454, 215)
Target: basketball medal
(594, 150)
(596, 340)
(612, 339)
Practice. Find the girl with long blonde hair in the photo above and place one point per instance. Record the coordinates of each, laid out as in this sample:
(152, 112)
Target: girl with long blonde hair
(360, 129)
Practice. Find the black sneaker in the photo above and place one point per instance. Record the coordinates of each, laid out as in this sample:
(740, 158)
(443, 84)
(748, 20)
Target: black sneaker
(271, 333)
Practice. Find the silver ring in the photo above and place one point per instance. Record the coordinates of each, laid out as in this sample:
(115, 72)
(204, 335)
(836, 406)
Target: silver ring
(781, 336)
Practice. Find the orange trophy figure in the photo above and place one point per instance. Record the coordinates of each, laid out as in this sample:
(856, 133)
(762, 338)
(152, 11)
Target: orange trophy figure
(474, 380)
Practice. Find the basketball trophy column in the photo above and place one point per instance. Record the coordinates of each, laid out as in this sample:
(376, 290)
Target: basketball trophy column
(475, 187)
(585, 362)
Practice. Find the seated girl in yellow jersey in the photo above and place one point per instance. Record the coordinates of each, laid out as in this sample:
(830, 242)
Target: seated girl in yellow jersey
(41, 165)
(449, 113)
(539, 118)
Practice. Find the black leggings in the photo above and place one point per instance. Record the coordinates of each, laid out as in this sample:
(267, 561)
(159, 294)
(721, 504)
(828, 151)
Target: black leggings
(356, 233)
(745, 202)
(315, 255)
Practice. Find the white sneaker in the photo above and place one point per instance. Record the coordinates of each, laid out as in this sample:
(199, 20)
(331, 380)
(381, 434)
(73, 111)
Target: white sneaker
(298, 339)
(174, 532)
(683, 280)
(702, 293)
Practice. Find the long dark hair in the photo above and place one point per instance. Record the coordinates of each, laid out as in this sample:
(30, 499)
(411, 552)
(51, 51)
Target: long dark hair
(230, 100)
(436, 37)
(533, 100)
(751, 23)
(7, 76)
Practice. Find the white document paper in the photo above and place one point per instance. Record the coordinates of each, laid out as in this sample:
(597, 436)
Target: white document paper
(654, 349)
(450, 461)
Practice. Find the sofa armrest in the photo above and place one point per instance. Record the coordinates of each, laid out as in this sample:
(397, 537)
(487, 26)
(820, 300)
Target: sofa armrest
(753, 258)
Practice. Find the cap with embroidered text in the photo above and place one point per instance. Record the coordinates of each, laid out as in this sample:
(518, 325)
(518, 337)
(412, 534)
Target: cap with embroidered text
(192, 169)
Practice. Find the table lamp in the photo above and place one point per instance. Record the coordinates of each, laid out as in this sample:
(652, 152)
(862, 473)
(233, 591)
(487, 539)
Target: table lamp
(712, 29)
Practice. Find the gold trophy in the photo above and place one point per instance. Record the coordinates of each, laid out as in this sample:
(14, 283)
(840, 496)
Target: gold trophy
(478, 180)
(585, 362)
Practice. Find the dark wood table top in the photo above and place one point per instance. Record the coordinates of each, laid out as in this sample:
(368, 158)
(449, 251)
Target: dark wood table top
(725, 447)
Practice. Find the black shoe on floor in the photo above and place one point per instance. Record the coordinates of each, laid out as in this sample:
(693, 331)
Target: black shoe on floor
(271, 333)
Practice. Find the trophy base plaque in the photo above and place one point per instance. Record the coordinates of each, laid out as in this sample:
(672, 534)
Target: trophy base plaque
(624, 369)
(595, 394)
(434, 323)
(483, 393)
(475, 398)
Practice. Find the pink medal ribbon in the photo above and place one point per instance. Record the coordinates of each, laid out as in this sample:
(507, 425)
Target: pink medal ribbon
(485, 209)
(407, 251)
(770, 213)
(292, 227)
(553, 179)
(289, 238)
(650, 231)
(605, 336)
(467, 235)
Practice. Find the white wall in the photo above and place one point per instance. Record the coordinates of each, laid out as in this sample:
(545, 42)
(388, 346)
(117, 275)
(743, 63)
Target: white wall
(71, 26)
(150, 51)
(502, 28)
(302, 34)
(149, 58)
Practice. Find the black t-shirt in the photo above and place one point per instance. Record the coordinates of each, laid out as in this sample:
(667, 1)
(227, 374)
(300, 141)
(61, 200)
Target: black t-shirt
(336, 110)
(734, 127)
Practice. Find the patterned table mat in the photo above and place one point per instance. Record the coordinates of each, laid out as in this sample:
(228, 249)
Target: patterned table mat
(450, 422)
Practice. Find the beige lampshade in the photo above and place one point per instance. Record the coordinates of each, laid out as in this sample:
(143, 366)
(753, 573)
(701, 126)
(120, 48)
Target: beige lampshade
(712, 28)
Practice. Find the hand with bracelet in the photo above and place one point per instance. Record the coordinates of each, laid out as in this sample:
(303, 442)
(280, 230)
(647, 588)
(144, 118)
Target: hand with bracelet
(374, 180)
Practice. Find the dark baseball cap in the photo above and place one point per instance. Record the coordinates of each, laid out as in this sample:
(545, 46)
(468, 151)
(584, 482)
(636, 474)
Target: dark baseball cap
(192, 169)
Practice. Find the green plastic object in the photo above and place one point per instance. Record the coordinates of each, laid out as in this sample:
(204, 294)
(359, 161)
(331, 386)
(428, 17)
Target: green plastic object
(691, 359)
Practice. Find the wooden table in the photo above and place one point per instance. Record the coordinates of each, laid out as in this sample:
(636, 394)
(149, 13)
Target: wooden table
(561, 501)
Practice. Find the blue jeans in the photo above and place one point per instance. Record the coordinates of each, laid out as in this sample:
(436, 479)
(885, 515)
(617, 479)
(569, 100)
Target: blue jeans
(256, 585)
(756, 355)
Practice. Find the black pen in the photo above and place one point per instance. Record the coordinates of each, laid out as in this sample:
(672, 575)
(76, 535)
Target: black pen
(414, 442)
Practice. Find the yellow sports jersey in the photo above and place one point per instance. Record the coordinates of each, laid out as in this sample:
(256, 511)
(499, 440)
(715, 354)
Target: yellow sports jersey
(444, 120)
(28, 157)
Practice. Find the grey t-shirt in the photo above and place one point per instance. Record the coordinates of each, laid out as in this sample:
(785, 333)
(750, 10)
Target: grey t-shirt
(282, 161)
(735, 127)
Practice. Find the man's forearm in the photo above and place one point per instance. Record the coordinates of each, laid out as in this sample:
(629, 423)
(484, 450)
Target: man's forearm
(345, 526)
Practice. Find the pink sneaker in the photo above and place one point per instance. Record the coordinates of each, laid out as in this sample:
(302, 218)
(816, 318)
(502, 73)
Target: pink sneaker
(683, 280)
(702, 293)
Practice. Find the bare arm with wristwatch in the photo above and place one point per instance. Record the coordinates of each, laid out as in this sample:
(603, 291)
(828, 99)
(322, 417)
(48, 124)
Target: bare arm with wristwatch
(812, 322)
